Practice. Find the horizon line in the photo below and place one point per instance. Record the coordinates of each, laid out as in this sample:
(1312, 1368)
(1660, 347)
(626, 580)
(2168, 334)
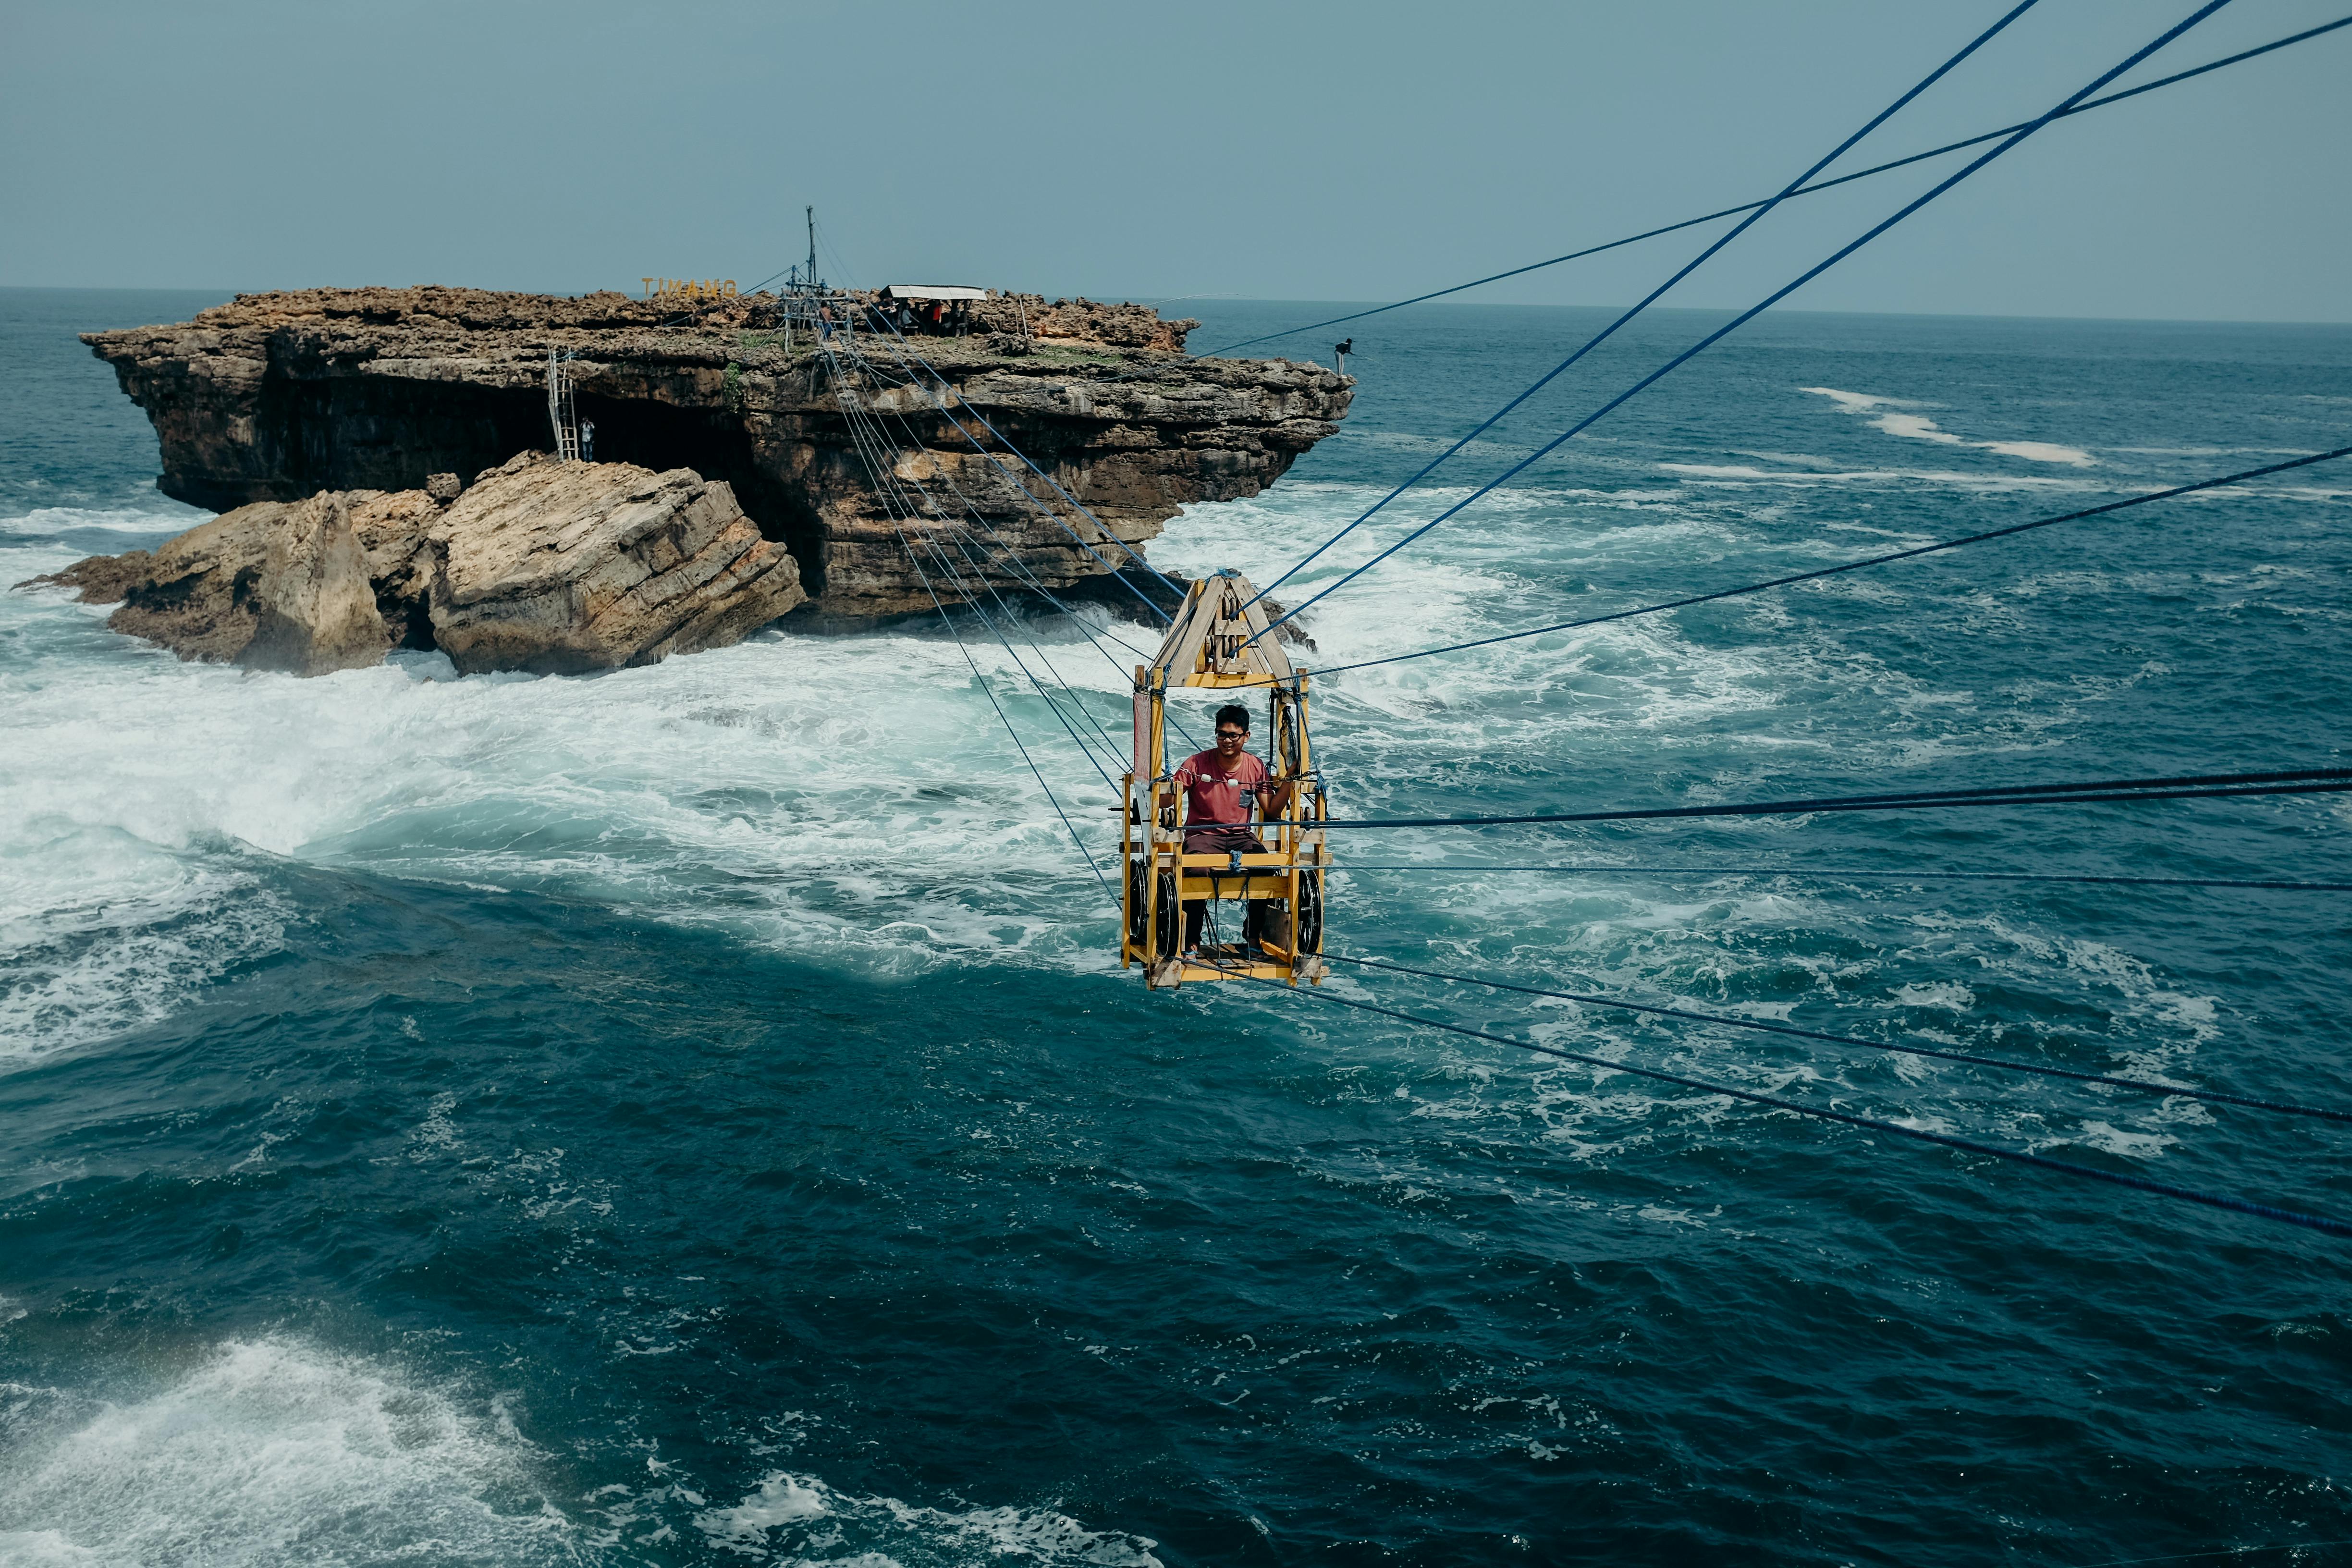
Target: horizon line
(1281, 299)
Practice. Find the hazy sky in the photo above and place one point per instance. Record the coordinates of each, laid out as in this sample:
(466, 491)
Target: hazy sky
(1288, 150)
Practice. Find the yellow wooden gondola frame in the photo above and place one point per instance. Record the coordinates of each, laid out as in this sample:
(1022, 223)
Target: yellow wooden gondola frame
(1219, 640)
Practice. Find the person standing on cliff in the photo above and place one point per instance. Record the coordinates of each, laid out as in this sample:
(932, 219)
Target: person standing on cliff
(1220, 787)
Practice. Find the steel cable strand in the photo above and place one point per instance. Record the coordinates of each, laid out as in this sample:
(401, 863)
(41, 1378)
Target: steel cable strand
(1013, 559)
(1757, 309)
(907, 350)
(2313, 780)
(907, 353)
(1687, 267)
(1836, 872)
(971, 601)
(896, 504)
(966, 543)
(1745, 588)
(981, 680)
(882, 442)
(931, 505)
(1053, 516)
(876, 468)
(957, 578)
(2003, 1064)
(2100, 102)
(1023, 572)
(2187, 1195)
(1021, 569)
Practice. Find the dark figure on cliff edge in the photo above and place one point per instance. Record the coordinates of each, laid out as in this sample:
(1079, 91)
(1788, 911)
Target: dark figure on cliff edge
(1340, 353)
(1220, 788)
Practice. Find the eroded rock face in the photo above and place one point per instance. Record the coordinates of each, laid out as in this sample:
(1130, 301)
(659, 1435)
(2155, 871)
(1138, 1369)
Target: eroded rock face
(280, 397)
(538, 565)
(562, 567)
(313, 606)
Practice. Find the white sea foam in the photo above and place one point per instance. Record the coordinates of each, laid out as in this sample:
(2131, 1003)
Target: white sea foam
(855, 801)
(270, 1451)
(1730, 474)
(799, 1518)
(101, 933)
(1919, 427)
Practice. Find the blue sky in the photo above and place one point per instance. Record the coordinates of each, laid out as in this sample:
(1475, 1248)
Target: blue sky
(1308, 151)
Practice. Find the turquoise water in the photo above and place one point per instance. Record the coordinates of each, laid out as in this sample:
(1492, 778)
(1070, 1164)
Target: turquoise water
(688, 1115)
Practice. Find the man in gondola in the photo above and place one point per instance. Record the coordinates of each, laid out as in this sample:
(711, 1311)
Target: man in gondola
(1221, 787)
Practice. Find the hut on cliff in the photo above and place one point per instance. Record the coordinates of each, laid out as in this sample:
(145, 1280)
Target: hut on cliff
(942, 309)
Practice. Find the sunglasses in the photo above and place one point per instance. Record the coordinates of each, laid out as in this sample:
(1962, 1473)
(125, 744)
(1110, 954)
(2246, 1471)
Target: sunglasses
(1233, 734)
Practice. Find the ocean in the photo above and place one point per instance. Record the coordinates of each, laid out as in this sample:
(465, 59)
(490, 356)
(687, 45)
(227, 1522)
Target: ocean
(695, 1114)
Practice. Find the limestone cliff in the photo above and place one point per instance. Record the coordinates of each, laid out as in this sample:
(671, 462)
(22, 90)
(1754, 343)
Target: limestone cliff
(282, 396)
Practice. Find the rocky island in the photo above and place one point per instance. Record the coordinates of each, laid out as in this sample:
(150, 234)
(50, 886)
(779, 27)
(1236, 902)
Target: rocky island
(381, 456)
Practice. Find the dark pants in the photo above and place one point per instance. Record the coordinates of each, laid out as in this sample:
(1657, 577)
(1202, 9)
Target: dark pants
(1214, 841)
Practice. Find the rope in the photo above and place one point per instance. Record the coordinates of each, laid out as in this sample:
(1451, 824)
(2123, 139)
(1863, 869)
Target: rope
(979, 679)
(1021, 569)
(2239, 477)
(887, 488)
(904, 352)
(1110, 779)
(1733, 1021)
(1652, 297)
(1752, 311)
(982, 681)
(2308, 780)
(1893, 1129)
(1835, 872)
(907, 351)
(1805, 191)
(2218, 1552)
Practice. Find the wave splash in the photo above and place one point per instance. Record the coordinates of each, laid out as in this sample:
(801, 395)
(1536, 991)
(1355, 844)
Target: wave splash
(799, 1518)
(270, 1451)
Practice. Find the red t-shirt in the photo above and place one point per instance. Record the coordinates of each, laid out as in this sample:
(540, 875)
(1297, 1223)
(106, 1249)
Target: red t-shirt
(1214, 794)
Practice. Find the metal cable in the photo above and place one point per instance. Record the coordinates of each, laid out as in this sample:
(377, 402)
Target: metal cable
(907, 350)
(978, 677)
(2238, 477)
(1733, 1021)
(1021, 569)
(1835, 872)
(1895, 1129)
(889, 487)
(1605, 333)
(1810, 273)
(2306, 781)
(1805, 191)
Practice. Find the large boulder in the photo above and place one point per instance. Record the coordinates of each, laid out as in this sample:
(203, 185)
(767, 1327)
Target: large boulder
(537, 565)
(560, 567)
(313, 606)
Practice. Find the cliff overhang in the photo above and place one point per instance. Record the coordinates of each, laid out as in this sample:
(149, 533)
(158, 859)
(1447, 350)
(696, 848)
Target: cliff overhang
(282, 396)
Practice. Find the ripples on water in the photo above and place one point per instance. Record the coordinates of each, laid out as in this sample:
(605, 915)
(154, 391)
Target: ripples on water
(689, 1115)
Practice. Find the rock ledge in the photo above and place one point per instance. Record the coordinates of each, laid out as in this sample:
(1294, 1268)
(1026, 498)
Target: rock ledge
(556, 568)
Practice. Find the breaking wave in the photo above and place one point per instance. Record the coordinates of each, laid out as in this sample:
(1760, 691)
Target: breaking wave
(1919, 427)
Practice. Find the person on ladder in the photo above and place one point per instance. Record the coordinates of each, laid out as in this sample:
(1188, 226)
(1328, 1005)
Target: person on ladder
(1221, 787)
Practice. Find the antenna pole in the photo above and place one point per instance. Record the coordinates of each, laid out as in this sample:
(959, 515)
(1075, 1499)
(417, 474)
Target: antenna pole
(812, 228)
